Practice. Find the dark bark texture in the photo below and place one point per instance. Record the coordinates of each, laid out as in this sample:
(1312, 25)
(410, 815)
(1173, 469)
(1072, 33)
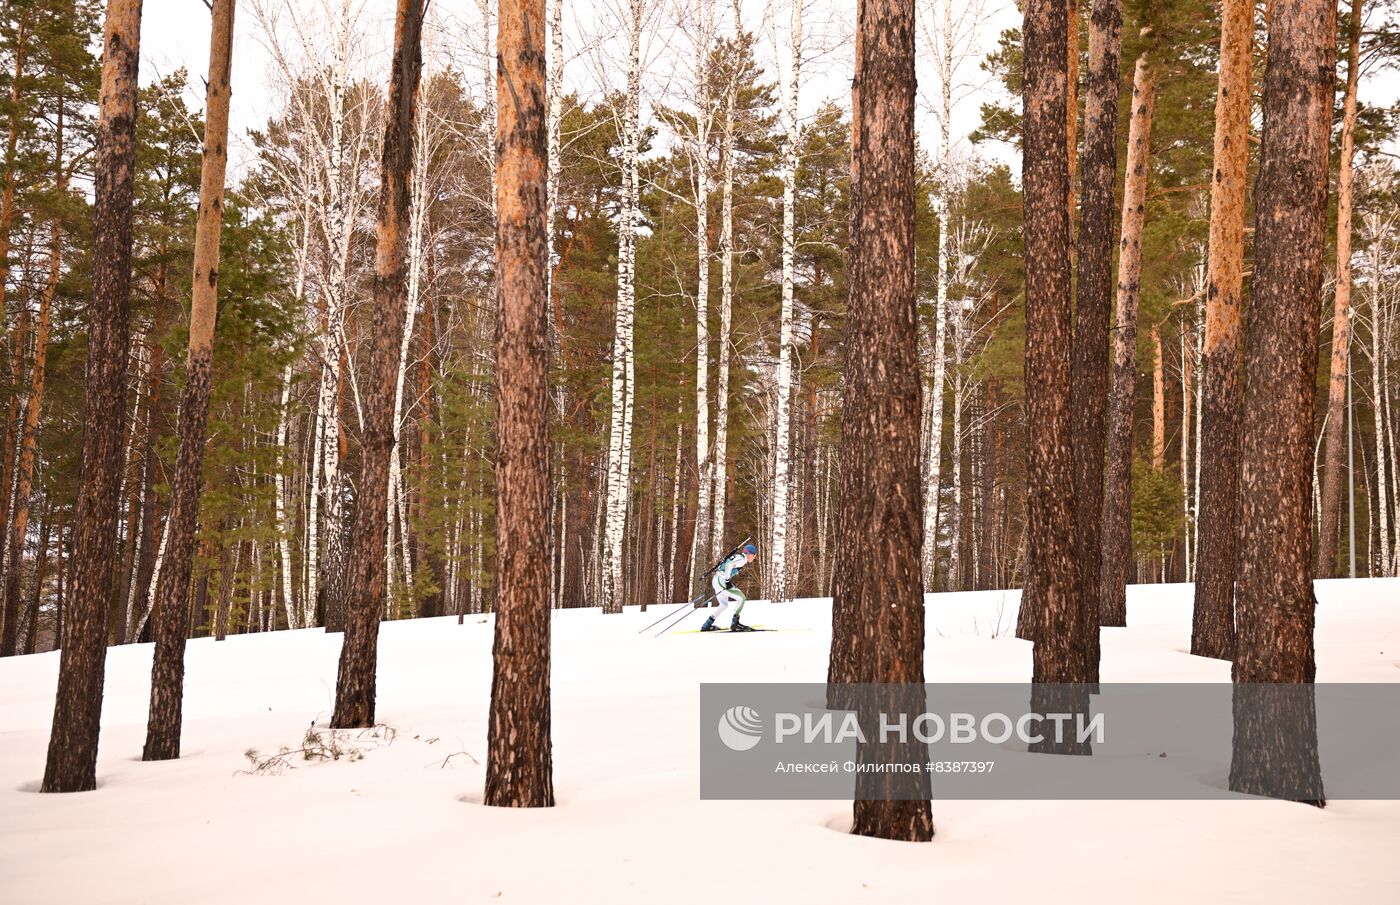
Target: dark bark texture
(1275, 602)
(172, 612)
(881, 498)
(844, 661)
(365, 588)
(1213, 616)
(72, 755)
(1050, 591)
(1089, 370)
(519, 759)
(1118, 468)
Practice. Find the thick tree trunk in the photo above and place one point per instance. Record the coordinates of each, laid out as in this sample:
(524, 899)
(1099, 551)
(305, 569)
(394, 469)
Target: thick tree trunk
(72, 757)
(1340, 372)
(172, 604)
(1093, 312)
(880, 467)
(1051, 585)
(365, 589)
(30, 432)
(519, 764)
(1118, 484)
(1276, 737)
(1213, 618)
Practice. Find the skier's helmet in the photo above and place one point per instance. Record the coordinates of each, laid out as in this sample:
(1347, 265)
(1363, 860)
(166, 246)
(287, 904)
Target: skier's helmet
(751, 549)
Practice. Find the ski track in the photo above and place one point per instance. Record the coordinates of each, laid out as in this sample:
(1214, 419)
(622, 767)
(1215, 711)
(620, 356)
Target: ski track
(406, 824)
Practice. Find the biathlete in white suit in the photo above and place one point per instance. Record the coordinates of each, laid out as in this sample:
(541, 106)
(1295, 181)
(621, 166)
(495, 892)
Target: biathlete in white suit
(726, 593)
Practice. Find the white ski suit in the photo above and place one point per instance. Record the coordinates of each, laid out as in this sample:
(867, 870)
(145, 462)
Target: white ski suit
(725, 592)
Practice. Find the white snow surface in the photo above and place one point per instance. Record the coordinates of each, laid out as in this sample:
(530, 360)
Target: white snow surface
(405, 824)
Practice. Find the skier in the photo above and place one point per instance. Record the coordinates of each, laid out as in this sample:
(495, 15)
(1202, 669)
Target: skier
(725, 590)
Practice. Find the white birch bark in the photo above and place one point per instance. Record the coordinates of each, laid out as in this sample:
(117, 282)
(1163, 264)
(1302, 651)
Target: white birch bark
(720, 466)
(778, 585)
(700, 551)
(944, 40)
(954, 582)
(155, 580)
(284, 553)
(623, 377)
(1378, 392)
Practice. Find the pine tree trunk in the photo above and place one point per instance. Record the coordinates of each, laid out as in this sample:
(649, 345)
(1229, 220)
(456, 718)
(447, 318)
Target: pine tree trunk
(778, 585)
(1276, 735)
(30, 434)
(1118, 483)
(1051, 581)
(519, 765)
(365, 589)
(7, 196)
(1159, 399)
(1213, 615)
(1094, 311)
(880, 465)
(1340, 372)
(72, 755)
(172, 603)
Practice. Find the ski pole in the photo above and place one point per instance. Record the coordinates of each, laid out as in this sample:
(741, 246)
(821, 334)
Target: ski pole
(676, 622)
(669, 613)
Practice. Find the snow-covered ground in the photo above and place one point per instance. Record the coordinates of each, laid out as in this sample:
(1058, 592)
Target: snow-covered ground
(405, 823)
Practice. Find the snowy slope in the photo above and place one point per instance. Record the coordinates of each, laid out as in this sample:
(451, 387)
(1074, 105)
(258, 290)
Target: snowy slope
(405, 823)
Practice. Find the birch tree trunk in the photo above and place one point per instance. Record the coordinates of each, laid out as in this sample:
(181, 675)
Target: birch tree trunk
(284, 551)
(1213, 614)
(1383, 559)
(72, 753)
(1340, 372)
(1118, 490)
(172, 601)
(396, 502)
(700, 552)
(720, 468)
(778, 584)
(623, 369)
